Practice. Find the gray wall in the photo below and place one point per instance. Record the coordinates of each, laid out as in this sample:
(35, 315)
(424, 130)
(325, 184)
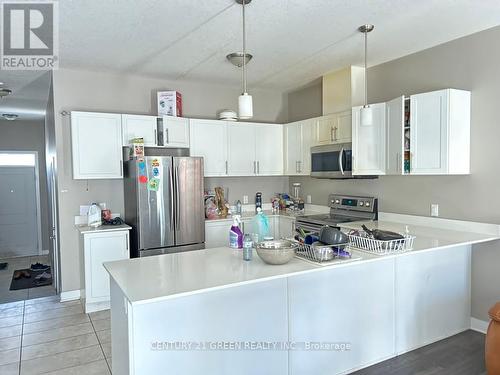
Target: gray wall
(106, 92)
(469, 63)
(29, 135)
(306, 102)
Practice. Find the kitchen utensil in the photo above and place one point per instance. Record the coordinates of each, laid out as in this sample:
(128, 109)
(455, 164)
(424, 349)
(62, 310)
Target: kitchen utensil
(322, 251)
(382, 235)
(332, 236)
(276, 252)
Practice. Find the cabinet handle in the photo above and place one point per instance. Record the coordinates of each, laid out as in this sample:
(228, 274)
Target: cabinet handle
(166, 134)
(258, 167)
(121, 168)
(254, 168)
(156, 138)
(300, 166)
(296, 167)
(227, 168)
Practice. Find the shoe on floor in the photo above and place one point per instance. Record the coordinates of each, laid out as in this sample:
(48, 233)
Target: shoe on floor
(43, 278)
(3, 266)
(39, 267)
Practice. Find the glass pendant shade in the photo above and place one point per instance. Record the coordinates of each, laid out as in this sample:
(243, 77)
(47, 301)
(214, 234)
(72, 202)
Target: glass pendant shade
(366, 116)
(245, 106)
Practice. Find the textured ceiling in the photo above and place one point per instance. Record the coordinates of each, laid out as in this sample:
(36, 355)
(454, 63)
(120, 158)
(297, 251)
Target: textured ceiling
(293, 41)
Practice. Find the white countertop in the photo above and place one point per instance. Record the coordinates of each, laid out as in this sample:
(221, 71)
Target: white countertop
(175, 275)
(103, 228)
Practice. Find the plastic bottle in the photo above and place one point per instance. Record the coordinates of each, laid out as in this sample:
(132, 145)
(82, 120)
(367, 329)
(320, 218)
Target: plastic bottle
(235, 234)
(260, 225)
(238, 207)
(247, 247)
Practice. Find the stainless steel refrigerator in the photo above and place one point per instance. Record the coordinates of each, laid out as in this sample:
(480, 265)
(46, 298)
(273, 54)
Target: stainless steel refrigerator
(164, 204)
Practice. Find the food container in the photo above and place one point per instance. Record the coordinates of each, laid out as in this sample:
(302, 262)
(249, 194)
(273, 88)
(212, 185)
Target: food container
(169, 103)
(276, 252)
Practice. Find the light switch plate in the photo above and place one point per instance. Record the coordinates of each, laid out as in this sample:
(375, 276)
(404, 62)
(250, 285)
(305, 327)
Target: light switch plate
(245, 199)
(434, 209)
(309, 199)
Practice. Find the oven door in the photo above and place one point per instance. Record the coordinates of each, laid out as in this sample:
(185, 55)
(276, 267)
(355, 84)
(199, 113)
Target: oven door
(332, 161)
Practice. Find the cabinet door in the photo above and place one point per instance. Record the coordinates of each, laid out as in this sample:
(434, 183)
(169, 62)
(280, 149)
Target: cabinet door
(137, 126)
(343, 132)
(395, 136)
(428, 132)
(306, 142)
(175, 132)
(209, 140)
(326, 130)
(368, 142)
(241, 149)
(292, 147)
(98, 249)
(217, 234)
(269, 149)
(96, 140)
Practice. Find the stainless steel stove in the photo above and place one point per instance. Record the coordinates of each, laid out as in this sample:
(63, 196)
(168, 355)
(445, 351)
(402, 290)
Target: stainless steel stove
(343, 209)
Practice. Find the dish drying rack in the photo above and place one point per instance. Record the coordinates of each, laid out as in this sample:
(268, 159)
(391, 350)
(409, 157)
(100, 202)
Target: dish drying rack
(308, 252)
(379, 247)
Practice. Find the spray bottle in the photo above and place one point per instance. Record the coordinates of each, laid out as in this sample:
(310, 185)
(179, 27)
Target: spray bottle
(235, 234)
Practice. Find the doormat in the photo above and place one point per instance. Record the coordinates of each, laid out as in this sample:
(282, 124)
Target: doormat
(32, 282)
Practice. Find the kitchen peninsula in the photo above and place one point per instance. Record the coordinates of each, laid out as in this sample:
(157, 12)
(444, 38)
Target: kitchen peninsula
(209, 312)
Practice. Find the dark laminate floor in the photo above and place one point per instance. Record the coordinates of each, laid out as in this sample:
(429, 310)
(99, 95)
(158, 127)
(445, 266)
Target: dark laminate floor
(462, 354)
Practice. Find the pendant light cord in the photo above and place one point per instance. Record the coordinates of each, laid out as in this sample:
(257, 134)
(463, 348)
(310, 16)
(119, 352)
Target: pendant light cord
(366, 70)
(244, 51)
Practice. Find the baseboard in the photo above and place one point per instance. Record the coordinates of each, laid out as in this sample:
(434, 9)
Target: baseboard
(70, 295)
(478, 325)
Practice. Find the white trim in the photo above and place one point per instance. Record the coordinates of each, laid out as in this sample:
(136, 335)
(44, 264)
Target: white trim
(70, 295)
(437, 222)
(45, 252)
(479, 325)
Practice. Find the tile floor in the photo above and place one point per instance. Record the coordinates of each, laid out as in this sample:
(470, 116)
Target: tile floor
(7, 295)
(45, 336)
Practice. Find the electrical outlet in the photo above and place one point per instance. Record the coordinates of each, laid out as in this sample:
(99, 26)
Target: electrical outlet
(309, 199)
(434, 209)
(245, 199)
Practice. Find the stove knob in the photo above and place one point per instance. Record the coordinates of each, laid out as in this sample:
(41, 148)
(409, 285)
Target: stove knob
(367, 204)
(337, 201)
(361, 204)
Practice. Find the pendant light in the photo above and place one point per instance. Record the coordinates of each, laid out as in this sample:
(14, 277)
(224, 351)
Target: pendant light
(245, 104)
(366, 114)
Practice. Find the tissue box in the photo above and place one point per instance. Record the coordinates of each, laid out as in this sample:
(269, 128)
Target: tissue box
(169, 103)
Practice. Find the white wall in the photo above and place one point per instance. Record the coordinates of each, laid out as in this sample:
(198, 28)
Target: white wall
(469, 63)
(107, 92)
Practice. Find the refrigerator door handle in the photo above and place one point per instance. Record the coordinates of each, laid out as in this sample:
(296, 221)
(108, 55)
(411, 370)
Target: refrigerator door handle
(171, 199)
(177, 199)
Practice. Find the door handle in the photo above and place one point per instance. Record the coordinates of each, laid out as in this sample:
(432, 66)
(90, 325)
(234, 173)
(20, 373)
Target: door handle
(341, 161)
(178, 218)
(172, 192)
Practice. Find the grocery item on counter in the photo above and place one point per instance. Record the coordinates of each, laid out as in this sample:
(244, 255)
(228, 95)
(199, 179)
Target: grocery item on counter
(211, 208)
(220, 202)
(247, 247)
(258, 201)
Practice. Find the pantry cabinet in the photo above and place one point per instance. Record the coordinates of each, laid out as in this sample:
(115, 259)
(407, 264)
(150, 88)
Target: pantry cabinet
(139, 126)
(99, 247)
(334, 128)
(96, 145)
(209, 140)
(438, 124)
(297, 139)
(174, 132)
(368, 142)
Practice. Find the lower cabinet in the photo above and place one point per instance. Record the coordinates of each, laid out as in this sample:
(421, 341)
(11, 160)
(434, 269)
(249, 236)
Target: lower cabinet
(99, 247)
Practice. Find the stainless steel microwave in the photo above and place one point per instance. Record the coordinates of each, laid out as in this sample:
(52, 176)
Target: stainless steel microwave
(332, 161)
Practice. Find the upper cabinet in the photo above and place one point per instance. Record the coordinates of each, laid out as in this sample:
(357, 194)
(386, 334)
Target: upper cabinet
(241, 149)
(139, 126)
(174, 132)
(96, 140)
(209, 140)
(429, 133)
(368, 142)
(334, 128)
(269, 149)
(297, 142)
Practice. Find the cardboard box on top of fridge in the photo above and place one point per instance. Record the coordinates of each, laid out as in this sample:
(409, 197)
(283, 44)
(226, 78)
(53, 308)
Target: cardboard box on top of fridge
(169, 103)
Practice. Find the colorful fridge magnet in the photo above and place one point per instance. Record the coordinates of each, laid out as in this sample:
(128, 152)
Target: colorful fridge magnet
(154, 184)
(156, 171)
(155, 163)
(143, 179)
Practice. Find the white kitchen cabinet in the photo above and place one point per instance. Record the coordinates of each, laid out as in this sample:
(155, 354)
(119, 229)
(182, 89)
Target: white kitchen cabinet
(368, 142)
(334, 128)
(99, 247)
(241, 149)
(395, 129)
(217, 233)
(96, 145)
(174, 132)
(297, 138)
(139, 126)
(440, 132)
(209, 140)
(269, 149)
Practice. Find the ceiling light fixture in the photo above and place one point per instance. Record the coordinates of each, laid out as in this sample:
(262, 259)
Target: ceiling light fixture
(245, 103)
(10, 116)
(5, 92)
(366, 111)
